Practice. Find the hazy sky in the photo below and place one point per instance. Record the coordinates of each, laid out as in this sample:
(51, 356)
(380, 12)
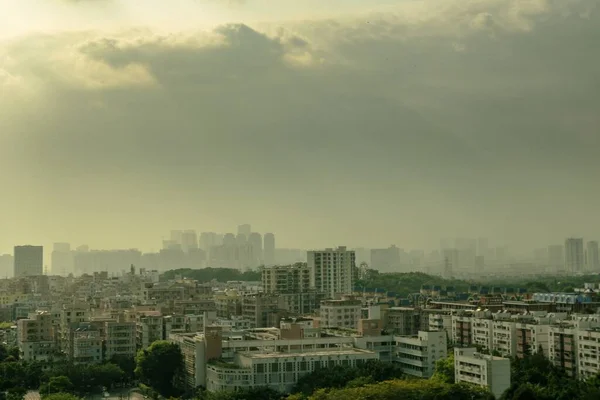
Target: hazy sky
(327, 122)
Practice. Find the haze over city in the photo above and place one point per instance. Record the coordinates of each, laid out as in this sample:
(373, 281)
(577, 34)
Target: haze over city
(338, 122)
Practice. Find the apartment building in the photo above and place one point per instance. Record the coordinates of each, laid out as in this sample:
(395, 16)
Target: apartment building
(120, 339)
(417, 355)
(343, 313)
(462, 329)
(286, 278)
(404, 321)
(261, 308)
(85, 345)
(504, 335)
(440, 322)
(36, 337)
(482, 370)
(149, 328)
(562, 339)
(332, 271)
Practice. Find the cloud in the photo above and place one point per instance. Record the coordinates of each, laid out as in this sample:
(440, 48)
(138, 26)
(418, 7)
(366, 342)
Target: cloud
(470, 102)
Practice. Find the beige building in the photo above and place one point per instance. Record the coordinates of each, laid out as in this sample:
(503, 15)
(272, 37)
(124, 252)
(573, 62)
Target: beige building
(36, 337)
(286, 279)
(333, 272)
(340, 313)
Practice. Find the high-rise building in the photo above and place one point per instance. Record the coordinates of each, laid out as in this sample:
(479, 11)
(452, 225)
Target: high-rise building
(592, 259)
(574, 256)
(244, 229)
(450, 261)
(7, 265)
(208, 240)
(229, 240)
(189, 240)
(482, 246)
(241, 239)
(62, 259)
(333, 271)
(29, 260)
(269, 249)
(255, 241)
(386, 260)
(556, 257)
(176, 236)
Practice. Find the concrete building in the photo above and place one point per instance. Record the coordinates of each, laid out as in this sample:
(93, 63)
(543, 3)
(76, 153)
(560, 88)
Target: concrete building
(29, 260)
(269, 249)
(574, 255)
(120, 339)
(385, 260)
(36, 337)
(333, 271)
(592, 259)
(343, 313)
(556, 257)
(256, 243)
(417, 355)
(482, 370)
(286, 279)
(244, 229)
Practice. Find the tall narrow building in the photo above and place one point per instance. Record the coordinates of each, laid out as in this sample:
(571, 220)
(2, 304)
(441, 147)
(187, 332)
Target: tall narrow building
(269, 249)
(29, 260)
(245, 230)
(593, 261)
(332, 271)
(574, 257)
(256, 242)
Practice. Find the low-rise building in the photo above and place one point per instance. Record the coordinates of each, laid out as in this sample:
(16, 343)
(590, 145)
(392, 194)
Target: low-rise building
(417, 355)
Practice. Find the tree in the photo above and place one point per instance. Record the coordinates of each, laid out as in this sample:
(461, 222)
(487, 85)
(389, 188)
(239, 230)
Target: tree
(57, 384)
(159, 366)
(61, 396)
(127, 364)
(444, 369)
(107, 375)
(16, 393)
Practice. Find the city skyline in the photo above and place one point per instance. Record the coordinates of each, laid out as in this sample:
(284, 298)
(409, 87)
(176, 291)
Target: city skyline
(438, 118)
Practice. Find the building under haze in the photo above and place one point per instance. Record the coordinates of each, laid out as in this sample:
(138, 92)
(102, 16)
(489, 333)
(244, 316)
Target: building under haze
(592, 259)
(333, 271)
(556, 257)
(29, 260)
(574, 256)
(256, 242)
(62, 261)
(385, 260)
(245, 230)
(269, 249)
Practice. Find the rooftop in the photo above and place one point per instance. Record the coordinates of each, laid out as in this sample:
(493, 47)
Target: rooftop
(343, 352)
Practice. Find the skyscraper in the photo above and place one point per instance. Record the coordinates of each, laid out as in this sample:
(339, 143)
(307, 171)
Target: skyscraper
(189, 240)
(386, 260)
(332, 271)
(593, 262)
(574, 255)
(556, 257)
(245, 230)
(269, 249)
(29, 260)
(255, 241)
(62, 259)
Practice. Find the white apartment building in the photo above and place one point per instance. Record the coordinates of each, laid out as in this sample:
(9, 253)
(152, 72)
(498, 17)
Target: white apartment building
(86, 346)
(482, 370)
(332, 271)
(588, 346)
(504, 333)
(482, 332)
(417, 355)
(343, 313)
(149, 328)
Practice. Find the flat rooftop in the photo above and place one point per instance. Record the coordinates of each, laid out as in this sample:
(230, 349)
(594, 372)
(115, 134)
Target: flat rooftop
(344, 352)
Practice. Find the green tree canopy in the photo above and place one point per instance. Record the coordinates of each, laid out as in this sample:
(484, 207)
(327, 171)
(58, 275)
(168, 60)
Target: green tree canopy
(159, 366)
(57, 384)
(61, 396)
(444, 369)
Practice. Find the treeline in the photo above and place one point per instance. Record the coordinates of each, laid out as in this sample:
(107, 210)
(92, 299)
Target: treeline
(404, 284)
(208, 274)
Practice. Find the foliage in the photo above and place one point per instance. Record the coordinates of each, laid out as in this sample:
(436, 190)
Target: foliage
(8, 353)
(340, 376)
(253, 393)
(57, 384)
(86, 378)
(404, 284)
(127, 364)
(61, 396)
(16, 393)
(208, 274)
(20, 374)
(444, 369)
(405, 390)
(160, 366)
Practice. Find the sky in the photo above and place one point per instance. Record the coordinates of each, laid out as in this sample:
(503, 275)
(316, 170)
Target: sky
(342, 122)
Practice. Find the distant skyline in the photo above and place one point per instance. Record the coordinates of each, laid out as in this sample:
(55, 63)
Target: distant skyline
(343, 122)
